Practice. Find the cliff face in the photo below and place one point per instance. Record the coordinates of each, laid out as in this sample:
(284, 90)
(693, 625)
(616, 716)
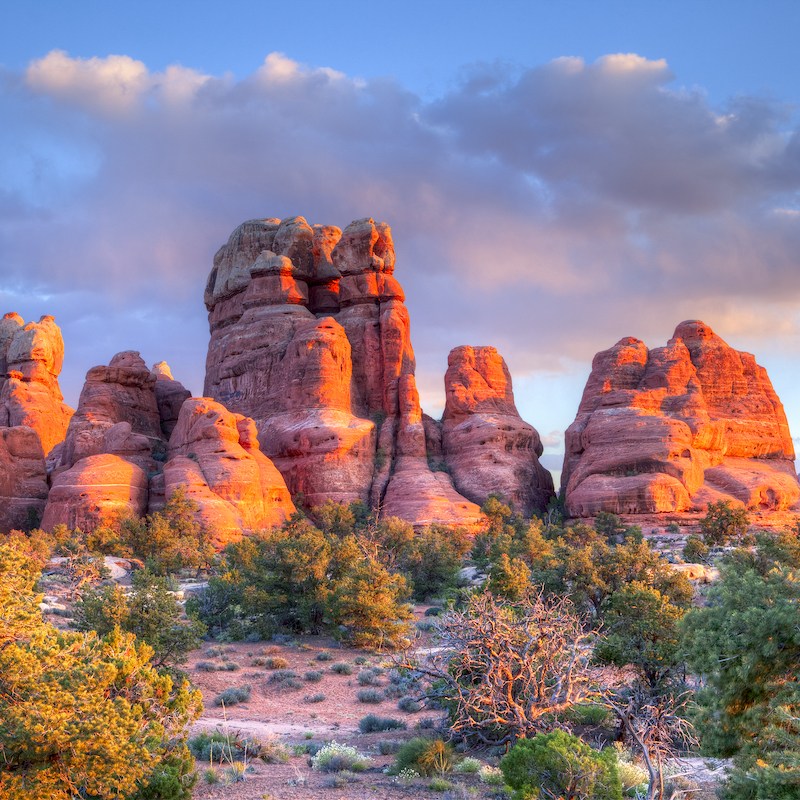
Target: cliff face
(310, 337)
(677, 427)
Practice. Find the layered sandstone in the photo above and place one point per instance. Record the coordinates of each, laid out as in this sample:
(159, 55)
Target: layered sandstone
(95, 490)
(31, 358)
(215, 455)
(170, 396)
(114, 446)
(310, 338)
(23, 478)
(674, 428)
(122, 392)
(487, 447)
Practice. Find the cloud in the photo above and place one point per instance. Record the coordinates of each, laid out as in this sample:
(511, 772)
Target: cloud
(548, 211)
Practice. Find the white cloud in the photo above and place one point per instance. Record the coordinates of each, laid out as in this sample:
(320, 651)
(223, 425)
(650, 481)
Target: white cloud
(548, 212)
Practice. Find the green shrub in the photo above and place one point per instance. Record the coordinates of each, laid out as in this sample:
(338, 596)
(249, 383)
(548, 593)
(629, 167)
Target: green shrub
(373, 723)
(409, 705)
(562, 765)
(342, 668)
(589, 714)
(324, 655)
(335, 757)
(388, 747)
(217, 747)
(285, 679)
(695, 550)
(319, 697)
(438, 784)
(313, 676)
(425, 756)
(360, 660)
(370, 696)
(232, 695)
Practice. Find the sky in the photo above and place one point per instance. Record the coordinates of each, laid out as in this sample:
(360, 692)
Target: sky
(556, 175)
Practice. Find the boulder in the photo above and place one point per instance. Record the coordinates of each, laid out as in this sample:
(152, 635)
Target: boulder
(488, 448)
(31, 358)
(674, 428)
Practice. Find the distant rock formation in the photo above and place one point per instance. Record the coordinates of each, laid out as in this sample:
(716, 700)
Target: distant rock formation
(310, 338)
(170, 396)
(677, 427)
(31, 358)
(214, 454)
(487, 447)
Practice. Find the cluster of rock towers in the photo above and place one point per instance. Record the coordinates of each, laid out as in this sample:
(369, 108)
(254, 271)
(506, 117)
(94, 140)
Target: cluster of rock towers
(310, 394)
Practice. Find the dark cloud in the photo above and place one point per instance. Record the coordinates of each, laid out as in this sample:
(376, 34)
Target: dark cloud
(548, 212)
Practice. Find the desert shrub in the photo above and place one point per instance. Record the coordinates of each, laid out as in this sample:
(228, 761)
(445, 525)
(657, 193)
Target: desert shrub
(468, 766)
(230, 666)
(274, 662)
(206, 666)
(216, 651)
(319, 697)
(426, 724)
(409, 705)
(695, 550)
(368, 677)
(272, 751)
(439, 784)
(342, 668)
(373, 723)
(217, 747)
(370, 696)
(723, 523)
(284, 677)
(388, 747)
(338, 780)
(561, 765)
(232, 695)
(312, 676)
(211, 776)
(360, 660)
(589, 714)
(324, 655)
(425, 756)
(491, 776)
(335, 757)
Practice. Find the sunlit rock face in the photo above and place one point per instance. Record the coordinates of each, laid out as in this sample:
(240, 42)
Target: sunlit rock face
(31, 357)
(115, 444)
(677, 427)
(310, 338)
(214, 454)
(23, 478)
(487, 447)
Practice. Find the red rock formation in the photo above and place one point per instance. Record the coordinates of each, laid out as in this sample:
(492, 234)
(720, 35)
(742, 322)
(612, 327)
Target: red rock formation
(216, 456)
(115, 443)
(124, 391)
(94, 490)
(31, 356)
(170, 396)
(676, 427)
(487, 447)
(23, 478)
(310, 338)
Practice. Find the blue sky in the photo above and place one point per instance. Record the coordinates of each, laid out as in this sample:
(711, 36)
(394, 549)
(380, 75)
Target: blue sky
(557, 175)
